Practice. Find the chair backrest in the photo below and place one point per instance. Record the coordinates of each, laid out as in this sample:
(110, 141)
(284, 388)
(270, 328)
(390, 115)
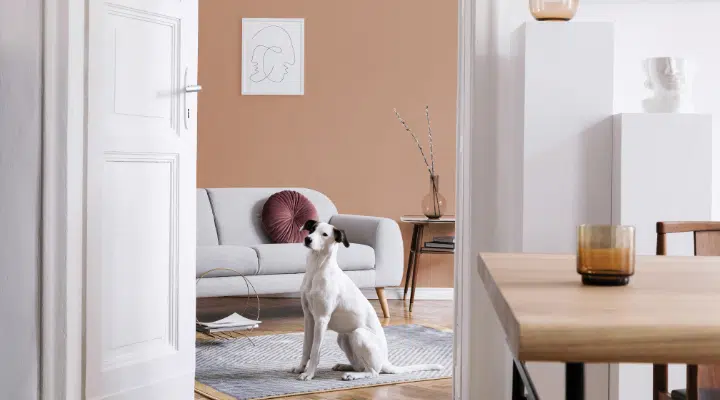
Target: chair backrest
(706, 238)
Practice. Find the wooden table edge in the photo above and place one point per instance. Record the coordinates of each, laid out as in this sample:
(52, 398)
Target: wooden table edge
(513, 331)
(510, 325)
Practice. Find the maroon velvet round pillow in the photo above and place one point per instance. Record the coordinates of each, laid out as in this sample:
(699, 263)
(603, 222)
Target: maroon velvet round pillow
(284, 213)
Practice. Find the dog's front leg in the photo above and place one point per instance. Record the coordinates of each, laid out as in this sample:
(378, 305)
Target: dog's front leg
(319, 330)
(307, 343)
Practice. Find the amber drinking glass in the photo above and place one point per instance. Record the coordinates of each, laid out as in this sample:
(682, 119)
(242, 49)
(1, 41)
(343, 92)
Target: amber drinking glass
(553, 10)
(606, 254)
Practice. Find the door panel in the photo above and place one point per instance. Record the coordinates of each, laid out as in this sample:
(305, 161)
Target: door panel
(143, 217)
(141, 159)
(143, 65)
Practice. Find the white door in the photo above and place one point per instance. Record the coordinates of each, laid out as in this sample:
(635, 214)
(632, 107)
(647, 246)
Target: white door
(140, 288)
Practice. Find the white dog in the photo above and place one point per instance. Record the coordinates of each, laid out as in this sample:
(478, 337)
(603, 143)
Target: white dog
(330, 300)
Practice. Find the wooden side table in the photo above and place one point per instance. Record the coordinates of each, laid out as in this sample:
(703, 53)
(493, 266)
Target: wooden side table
(419, 223)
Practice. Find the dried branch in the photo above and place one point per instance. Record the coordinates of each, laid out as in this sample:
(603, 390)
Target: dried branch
(407, 128)
(430, 140)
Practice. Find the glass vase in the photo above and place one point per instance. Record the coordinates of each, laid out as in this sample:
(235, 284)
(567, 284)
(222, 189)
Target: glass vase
(434, 203)
(553, 10)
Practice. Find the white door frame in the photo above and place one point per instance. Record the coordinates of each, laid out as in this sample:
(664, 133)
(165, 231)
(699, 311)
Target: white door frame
(63, 209)
(463, 253)
(478, 360)
(64, 155)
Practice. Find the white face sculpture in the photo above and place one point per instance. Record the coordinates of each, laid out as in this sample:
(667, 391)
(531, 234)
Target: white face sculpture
(666, 74)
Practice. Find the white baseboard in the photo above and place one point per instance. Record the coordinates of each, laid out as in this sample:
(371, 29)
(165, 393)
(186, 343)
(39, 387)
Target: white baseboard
(394, 293)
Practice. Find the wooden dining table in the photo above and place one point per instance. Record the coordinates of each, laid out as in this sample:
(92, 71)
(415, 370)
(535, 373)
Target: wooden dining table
(668, 313)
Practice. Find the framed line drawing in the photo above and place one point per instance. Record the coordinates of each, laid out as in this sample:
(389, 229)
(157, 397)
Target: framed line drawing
(273, 56)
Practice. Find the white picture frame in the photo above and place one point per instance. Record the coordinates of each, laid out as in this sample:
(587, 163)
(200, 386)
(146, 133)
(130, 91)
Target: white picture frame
(273, 56)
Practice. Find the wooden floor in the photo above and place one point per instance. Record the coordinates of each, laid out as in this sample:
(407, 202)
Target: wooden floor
(285, 315)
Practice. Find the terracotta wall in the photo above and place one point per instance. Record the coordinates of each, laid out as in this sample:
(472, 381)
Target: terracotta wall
(363, 58)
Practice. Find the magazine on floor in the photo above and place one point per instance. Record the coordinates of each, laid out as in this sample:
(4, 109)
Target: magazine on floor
(233, 322)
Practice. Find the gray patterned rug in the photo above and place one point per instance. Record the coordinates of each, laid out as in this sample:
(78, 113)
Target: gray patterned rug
(235, 369)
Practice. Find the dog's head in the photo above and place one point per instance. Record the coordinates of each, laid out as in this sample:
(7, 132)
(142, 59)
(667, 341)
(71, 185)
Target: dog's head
(322, 237)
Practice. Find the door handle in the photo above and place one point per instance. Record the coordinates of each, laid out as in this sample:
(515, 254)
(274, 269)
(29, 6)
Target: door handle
(188, 89)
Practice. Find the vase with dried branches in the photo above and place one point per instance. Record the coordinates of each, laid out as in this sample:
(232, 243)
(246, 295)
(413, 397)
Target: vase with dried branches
(434, 203)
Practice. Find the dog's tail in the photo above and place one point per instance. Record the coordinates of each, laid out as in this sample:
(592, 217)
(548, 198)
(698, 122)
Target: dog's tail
(392, 369)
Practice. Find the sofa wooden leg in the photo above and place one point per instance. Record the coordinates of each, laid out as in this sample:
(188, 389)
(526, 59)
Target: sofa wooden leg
(383, 301)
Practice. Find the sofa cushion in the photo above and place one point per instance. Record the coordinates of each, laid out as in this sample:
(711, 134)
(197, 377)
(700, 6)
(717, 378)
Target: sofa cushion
(242, 259)
(237, 212)
(284, 215)
(290, 258)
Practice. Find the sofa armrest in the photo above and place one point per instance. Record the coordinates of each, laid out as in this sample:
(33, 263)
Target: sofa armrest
(383, 235)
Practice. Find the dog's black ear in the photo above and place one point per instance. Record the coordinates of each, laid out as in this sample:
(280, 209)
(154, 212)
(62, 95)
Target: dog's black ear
(309, 226)
(340, 237)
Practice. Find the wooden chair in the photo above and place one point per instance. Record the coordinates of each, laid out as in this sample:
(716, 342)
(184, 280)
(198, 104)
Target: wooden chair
(703, 382)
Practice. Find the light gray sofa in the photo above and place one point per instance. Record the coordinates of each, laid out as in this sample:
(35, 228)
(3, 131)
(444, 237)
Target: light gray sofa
(230, 235)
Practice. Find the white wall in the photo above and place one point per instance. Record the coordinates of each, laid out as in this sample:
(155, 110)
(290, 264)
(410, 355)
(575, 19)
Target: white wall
(20, 130)
(689, 29)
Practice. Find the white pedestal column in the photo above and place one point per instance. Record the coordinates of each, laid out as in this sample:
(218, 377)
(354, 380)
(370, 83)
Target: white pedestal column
(565, 152)
(567, 132)
(662, 171)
